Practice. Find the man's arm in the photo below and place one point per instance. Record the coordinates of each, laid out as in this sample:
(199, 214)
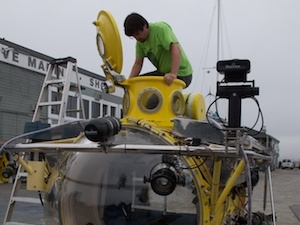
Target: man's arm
(137, 67)
(175, 52)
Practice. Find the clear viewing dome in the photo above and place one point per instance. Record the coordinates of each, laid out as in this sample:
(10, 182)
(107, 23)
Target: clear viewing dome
(123, 188)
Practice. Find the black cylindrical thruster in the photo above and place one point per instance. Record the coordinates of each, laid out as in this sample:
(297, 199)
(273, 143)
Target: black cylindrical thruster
(101, 129)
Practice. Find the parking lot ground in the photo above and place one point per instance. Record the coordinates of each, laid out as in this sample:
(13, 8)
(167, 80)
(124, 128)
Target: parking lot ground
(286, 189)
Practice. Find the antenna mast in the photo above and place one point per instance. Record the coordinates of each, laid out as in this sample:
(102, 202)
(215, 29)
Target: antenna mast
(218, 33)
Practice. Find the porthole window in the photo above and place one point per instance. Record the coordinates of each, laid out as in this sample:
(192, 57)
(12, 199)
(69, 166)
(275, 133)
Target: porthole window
(126, 102)
(150, 100)
(100, 45)
(177, 103)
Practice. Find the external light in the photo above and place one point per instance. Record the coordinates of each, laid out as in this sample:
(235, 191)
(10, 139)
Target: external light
(8, 171)
(163, 179)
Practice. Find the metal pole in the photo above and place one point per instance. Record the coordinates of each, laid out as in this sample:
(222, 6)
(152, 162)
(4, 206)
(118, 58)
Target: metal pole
(271, 196)
(218, 34)
(265, 190)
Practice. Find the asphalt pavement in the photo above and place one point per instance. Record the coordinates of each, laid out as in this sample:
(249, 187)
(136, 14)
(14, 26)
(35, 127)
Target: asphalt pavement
(286, 189)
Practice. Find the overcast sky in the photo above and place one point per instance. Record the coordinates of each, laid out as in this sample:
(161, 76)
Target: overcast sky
(267, 32)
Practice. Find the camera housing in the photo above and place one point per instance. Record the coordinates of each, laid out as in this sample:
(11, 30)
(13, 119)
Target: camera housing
(235, 70)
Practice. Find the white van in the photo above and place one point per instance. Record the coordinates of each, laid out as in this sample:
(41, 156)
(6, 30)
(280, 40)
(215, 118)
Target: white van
(287, 163)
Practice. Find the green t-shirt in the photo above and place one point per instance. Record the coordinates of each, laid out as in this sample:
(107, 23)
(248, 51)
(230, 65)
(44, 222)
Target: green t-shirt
(157, 49)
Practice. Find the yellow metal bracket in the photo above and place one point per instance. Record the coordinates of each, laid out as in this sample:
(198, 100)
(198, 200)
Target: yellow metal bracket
(36, 173)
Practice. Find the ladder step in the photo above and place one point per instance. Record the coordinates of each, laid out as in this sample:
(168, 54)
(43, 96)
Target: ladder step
(54, 81)
(62, 61)
(50, 103)
(16, 223)
(26, 200)
(22, 174)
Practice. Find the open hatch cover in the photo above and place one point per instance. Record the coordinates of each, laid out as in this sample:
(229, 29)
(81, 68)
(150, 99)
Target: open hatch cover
(109, 41)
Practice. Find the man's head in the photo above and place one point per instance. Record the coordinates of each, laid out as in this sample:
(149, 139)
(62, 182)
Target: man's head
(136, 26)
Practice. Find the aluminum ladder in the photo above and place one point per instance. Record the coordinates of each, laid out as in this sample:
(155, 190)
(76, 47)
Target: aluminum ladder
(63, 84)
(61, 81)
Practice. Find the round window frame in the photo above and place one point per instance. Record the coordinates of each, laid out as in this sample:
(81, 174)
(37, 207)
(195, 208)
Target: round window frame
(153, 91)
(179, 96)
(126, 102)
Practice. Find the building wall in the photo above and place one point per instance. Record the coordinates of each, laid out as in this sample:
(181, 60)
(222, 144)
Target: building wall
(19, 91)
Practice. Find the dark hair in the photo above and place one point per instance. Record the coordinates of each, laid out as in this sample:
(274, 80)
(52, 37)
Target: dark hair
(134, 23)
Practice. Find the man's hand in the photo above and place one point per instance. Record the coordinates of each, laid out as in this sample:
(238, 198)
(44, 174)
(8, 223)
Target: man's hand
(169, 77)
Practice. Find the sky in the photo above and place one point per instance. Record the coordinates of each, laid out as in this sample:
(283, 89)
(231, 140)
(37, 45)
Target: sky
(266, 32)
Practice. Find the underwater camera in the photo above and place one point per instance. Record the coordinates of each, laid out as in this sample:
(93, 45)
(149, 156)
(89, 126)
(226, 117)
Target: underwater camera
(235, 71)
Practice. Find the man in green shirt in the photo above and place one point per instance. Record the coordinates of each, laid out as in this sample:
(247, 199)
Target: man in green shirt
(158, 43)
